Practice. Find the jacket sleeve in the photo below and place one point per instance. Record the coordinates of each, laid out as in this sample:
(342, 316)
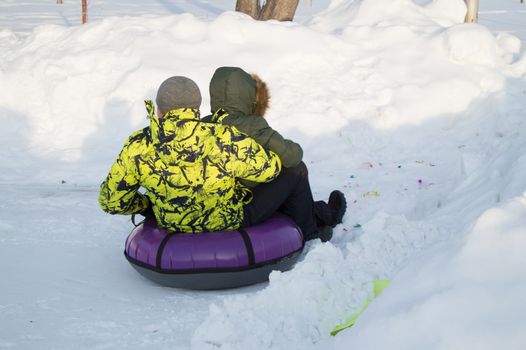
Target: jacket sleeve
(119, 193)
(256, 127)
(250, 161)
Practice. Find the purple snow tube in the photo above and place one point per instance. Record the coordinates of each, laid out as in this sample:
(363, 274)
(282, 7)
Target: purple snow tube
(214, 260)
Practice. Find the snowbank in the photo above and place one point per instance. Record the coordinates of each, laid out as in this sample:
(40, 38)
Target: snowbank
(68, 90)
(457, 296)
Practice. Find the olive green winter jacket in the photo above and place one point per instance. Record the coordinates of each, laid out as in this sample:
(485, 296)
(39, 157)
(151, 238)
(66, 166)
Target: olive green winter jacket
(234, 91)
(190, 171)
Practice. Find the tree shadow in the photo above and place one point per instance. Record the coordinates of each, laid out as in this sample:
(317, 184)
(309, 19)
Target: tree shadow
(207, 7)
(210, 8)
(170, 6)
(20, 162)
(101, 148)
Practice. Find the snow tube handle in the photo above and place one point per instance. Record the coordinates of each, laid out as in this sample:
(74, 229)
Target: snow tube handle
(133, 220)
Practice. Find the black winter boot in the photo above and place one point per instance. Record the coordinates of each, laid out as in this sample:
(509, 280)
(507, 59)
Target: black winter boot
(338, 205)
(324, 233)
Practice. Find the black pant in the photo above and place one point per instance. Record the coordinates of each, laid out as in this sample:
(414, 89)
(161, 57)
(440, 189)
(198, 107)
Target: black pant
(291, 195)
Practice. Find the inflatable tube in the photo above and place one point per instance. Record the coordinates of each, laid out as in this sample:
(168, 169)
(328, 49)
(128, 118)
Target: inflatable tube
(214, 260)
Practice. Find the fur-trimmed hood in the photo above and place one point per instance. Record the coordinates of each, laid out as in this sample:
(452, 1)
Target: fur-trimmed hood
(238, 92)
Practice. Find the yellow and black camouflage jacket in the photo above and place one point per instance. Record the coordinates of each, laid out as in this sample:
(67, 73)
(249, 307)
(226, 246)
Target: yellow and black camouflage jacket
(190, 171)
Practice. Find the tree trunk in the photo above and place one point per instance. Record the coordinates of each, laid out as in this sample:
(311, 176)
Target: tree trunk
(249, 7)
(84, 11)
(281, 10)
(472, 16)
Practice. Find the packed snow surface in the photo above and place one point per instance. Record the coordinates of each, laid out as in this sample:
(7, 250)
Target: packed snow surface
(418, 118)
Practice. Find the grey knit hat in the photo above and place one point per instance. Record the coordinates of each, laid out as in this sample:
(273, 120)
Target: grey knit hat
(178, 92)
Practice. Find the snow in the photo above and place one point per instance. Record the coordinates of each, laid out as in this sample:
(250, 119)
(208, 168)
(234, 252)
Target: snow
(417, 118)
(24, 15)
(462, 295)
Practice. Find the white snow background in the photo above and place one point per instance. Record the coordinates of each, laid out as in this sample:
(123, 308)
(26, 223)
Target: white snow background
(418, 118)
